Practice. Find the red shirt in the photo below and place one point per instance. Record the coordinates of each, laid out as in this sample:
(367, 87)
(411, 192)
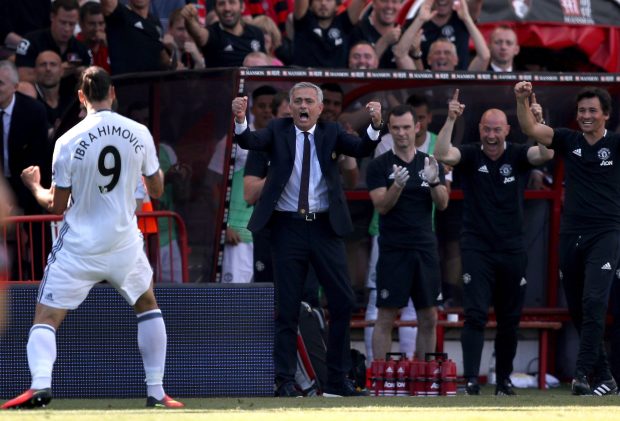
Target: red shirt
(100, 57)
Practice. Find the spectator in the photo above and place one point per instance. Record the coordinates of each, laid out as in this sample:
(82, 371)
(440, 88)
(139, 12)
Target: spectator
(273, 37)
(590, 226)
(257, 59)
(452, 20)
(224, 43)
(504, 46)
(363, 56)
(48, 72)
(379, 28)
(134, 37)
(59, 38)
(24, 138)
(92, 26)
(492, 240)
(87, 251)
(18, 18)
(441, 56)
(276, 10)
(185, 53)
(408, 265)
(322, 37)
(292, 199)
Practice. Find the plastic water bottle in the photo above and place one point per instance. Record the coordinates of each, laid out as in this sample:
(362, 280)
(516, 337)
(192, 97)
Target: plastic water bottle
(492, 378)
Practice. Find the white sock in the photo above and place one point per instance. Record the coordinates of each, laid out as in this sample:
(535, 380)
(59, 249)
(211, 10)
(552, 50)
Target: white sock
(152, 343)
(41, 350)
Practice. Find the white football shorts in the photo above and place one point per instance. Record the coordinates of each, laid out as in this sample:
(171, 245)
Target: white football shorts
(69, 277)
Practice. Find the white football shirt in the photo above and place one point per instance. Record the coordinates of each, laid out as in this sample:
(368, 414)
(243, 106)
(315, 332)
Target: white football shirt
(101, 160)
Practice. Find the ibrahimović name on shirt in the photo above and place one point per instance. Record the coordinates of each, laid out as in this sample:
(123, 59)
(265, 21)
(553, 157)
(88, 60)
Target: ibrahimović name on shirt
(101, 131)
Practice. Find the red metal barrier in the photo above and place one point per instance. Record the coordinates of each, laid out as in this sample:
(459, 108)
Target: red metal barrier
(25, 258)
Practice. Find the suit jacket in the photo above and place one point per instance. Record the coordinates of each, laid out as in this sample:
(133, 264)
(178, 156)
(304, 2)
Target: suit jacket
(28, 145)
(278, 141)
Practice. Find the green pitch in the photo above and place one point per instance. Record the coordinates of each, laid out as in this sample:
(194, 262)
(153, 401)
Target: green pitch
(530, 405)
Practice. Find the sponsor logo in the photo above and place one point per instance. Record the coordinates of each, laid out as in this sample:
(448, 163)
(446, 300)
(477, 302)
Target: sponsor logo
(138, 25)
(259, 265)
(440, 297)
(523, 282)
(603, 154)
(505, 170)
(483, 169)
(521, 7)
(229, 48)
(561, 275)
(577, 152)
(228, 278)
(607, 163)
(509, 179)
(49, 296)
(255, 45)
(618, 273)
(606, 266)
(384, 293)
(22, 47)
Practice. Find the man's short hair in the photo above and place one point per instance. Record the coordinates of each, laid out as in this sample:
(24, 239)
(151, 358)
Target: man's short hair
(417, 100)
(67, 5)
(263, 90)
(401, 110)
(90, 8)
(594, 92)
(306, 85)
(332, 87)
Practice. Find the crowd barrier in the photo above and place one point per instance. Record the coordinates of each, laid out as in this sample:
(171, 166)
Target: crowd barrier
(220, 343)
(28, 240)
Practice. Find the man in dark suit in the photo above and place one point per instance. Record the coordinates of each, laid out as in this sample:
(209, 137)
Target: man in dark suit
(23, 131)
(304, 205)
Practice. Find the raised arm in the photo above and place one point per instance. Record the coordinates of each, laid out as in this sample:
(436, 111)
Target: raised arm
(412, 37)
(481, 61)
(199, 34)
(529, 126)
(538, 155)
(444, 151)
(300, 9)
(355, 10)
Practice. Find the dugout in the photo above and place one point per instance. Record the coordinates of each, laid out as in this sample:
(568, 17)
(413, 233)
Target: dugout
(190, 112)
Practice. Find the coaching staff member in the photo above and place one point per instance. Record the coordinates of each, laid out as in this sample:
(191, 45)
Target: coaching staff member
(494, 175)
(304, 205)
(590, 227)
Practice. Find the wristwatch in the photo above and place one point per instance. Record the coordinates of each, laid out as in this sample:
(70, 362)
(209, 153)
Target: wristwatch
(377, 128)
(431, 185)
(417, 55)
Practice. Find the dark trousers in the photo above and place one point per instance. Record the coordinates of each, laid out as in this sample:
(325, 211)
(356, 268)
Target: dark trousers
(263, 266)
(587, 269)
(495, 278)
(296, 244)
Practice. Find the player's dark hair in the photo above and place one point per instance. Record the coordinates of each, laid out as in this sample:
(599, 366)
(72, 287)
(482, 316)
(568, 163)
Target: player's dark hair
(67, 5)
(95, 84)
(400, 110)
(90, 8)
(594, 92)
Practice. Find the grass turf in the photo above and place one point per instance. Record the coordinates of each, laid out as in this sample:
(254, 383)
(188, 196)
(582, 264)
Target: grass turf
(530, 405)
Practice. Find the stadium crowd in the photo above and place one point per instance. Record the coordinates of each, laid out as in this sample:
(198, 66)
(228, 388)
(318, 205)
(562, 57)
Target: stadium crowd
(48, 44)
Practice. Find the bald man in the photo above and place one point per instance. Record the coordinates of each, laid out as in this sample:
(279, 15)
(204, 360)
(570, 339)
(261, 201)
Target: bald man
(48, 74)
(493, 253)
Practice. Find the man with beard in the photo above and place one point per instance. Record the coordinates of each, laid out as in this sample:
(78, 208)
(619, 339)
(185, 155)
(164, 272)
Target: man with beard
(224, 43)
(322, 37)
(590, 228)
(493, 252)
(92, 25)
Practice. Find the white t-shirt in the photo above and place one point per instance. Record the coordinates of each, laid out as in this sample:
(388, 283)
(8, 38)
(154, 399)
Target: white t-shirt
(101, 160)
